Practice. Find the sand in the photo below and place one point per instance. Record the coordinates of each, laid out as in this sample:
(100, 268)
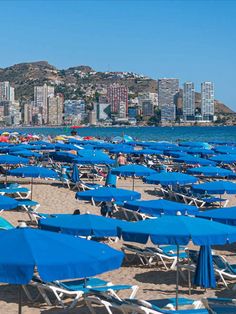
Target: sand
(154, 282)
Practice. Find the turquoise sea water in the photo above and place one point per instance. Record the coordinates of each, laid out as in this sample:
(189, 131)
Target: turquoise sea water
(147, 133)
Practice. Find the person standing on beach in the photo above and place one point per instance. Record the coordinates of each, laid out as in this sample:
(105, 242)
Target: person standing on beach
(121, 160)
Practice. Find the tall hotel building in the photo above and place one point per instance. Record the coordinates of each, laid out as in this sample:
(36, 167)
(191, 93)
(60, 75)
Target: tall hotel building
(41, 94)
(6, 92)
(189, 101)
(117, 96)
(207, 101)
(167, 92)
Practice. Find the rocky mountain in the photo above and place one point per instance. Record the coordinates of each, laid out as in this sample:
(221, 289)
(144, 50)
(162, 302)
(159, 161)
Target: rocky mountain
(79, 81)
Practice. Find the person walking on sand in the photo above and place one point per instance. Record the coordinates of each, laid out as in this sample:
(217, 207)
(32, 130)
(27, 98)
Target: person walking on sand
(121, 160)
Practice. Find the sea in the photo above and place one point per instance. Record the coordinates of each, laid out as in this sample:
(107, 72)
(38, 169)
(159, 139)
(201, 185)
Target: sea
(171, 134)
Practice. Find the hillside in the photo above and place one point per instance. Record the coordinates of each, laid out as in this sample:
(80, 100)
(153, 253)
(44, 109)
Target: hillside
(79, 81)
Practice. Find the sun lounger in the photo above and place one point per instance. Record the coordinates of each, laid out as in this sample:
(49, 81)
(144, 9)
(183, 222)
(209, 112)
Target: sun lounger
(29, 206)
(134, 306)
(152, 255)
(60, 290)
(220, 305)
(19, 191)
(5, 225)
(223, 269)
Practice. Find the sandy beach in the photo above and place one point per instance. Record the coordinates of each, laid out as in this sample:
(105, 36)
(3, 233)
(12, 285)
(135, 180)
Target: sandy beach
(154, 282)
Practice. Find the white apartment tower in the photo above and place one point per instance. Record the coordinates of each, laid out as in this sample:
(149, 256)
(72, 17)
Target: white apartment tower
(41, 94)
(189, 101)
(207, 101)
(7, 92)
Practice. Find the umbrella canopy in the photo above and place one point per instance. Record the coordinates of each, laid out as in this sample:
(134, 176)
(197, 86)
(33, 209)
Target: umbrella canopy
(93, 160)
(200, 151)
(56, 256)
(215, 187)
(195, 144)
(226, 215)
(34, 172)
(148, 151)
(211, 171)
(126, 149)
(111, 179)
(179, 230)
(108, 194)
(63, 156)
(12, 160)
(26, 153)
(171, 178)
(224, 159)
(191, 160)
(204, 274)
(225, 149)
(133, 170)
(75, 177)
(83, 225)
(7, 203)
(161, 206)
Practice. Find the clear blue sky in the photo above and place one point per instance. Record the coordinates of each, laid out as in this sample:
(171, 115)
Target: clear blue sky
(189, 39)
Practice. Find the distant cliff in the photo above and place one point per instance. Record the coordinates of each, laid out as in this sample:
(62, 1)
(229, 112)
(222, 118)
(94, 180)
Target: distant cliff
(79, 81)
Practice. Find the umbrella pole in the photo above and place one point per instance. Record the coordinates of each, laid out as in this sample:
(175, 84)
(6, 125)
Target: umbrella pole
(20, 300)
(189, 276)
(31, 188)
(133, 182)
(177, 279)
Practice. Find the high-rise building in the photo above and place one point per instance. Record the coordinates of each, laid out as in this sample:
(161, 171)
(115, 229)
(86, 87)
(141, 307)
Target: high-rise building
(103, 111)
(7, 92)
(147, 108)
(26, 113)
(55, 105)
(117, 96)
(207, 101)
(188, 101)
(167, 92)
(74, 111)
(41, 94)
(92, 117)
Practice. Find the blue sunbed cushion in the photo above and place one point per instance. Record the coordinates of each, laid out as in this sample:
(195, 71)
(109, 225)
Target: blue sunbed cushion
(77, 284)
(113, 287)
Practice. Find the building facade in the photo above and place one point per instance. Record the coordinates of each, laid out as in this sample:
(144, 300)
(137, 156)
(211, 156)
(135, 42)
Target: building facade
(188, 101)
(7, 92)
(55, 106)
(74, 111)
(41, 94)
(103, 111)
(117, 96)
(207, 101)
(168, 89)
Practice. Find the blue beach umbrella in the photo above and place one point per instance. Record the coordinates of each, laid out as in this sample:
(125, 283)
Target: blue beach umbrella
(63, 156)
(204, 273)
(108, 194)
(225, 149)
(179, 230)
(195, 144)
(111, 179)
(7, 203)
(200, 151)
(126, 149)
(133, 170)
(93, 160)
(158, 207)
(226, 215)
(171, 178)
(224, 159)
(83, 225)
(148, 151)
(12, 160)
(56, 257)
(191, 160)
(210, 171)
(26, 153)
(215, 187)
(75, 177)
